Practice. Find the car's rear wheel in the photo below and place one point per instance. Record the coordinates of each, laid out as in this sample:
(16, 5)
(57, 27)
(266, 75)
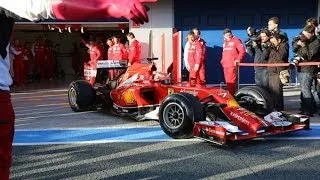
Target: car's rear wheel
(177, 114)
(255, 99)
(81, 96)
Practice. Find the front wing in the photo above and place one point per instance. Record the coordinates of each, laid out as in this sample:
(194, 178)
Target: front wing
(222, 132)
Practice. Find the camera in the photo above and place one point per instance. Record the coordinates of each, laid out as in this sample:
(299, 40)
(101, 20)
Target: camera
(253, 36)
(266, 45)
(301, 37)
(297, 58)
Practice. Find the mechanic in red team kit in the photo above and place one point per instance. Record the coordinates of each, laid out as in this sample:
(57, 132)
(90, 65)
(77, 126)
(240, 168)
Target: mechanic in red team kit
(49, 63)
(197, 33)
(35, 10)
(119, 52)
(39, 51)
(111, 72)
(233, 52)
(134, 51)
(18, 67)
(27, 59)
(195, 64)
(90, 67)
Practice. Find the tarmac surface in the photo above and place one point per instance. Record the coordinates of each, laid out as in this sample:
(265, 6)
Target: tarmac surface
(53, 142)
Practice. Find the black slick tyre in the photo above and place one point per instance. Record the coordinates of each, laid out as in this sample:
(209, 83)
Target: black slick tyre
(81, 96)
(255, 99)
(177, 114)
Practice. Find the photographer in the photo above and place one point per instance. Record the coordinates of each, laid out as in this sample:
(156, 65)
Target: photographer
(279, 53)
(314, 22)
(259, 49)
(273, 27)
(307, 50)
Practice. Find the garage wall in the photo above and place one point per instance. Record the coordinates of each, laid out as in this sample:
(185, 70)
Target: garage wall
(156, 36)
(238, 15)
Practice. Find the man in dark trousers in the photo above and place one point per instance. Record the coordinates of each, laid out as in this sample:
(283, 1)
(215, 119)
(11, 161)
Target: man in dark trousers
(307, 50)
(35, 10)
(260, 52)
(278, 54)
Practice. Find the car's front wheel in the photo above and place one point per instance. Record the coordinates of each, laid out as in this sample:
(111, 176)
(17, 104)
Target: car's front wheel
(255, 99)
(177, 114)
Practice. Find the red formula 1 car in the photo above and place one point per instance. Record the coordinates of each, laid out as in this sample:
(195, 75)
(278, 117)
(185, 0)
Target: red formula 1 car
(209, 113)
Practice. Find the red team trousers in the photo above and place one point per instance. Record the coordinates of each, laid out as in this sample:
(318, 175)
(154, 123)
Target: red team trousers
(7, 118)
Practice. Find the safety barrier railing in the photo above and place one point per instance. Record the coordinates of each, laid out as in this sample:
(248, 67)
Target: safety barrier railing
(238, 65)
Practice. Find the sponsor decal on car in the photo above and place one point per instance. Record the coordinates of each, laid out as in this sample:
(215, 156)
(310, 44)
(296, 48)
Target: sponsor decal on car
(216, 132)
(193, 92)
(240, 118)
(129, 97)
(170, 91)
(90, 73)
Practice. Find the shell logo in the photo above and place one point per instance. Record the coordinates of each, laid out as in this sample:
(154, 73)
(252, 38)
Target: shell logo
(232, 103)
(129, 97)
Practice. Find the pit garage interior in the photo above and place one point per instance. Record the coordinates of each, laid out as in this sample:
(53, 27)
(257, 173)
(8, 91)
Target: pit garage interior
(238, 15)
(63, 36)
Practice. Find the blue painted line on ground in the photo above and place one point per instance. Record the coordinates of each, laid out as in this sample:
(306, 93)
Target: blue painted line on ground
(116, 134)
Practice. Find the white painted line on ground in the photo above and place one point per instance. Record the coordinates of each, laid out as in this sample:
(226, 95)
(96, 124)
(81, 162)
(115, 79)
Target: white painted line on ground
(42, 112)
(262, 167)
(108, 141)
(41, 105)
(40, 109)
(144, 141)
(93, 128)
(141, 150)
(40, 91)
(57, 115)
(292, 138)
(42, 96)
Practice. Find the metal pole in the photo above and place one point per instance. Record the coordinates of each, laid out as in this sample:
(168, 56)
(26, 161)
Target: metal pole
(238, 76)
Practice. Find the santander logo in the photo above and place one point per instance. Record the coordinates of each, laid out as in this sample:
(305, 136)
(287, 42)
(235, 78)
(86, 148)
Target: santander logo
(214, 131)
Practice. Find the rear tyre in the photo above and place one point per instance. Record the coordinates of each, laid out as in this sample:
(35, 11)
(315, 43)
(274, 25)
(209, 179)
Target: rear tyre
(177, 114)
(255, 99)
(81, 96)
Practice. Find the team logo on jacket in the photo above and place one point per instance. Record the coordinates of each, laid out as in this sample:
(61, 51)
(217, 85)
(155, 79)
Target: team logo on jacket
(230, 43)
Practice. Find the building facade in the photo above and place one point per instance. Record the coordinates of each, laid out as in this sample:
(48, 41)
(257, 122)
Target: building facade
(183, 15)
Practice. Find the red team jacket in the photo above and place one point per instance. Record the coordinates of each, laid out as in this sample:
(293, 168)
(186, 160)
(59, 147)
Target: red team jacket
(232, 50)
(39, 51)
(134, 52)
(119, 52)
(195, 54)
(95, 55)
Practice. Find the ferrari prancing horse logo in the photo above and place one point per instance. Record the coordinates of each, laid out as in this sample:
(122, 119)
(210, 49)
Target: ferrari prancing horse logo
(170, 91)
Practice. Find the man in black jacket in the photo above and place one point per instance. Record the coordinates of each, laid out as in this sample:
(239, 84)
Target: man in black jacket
(35, 10)
(278, 54)
(260, 51)
(273, 27)
(307, 50)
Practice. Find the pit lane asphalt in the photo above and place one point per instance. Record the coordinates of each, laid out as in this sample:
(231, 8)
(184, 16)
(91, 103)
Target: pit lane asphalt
(53, 142)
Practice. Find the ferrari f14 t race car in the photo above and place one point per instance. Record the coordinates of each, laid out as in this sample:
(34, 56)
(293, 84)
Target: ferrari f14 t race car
(183, 111)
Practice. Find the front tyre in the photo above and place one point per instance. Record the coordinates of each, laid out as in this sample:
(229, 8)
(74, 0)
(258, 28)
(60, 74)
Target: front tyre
(255, 99)
(177, 114)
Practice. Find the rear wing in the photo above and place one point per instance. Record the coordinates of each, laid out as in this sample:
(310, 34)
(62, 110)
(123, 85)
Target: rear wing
(112, 64)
